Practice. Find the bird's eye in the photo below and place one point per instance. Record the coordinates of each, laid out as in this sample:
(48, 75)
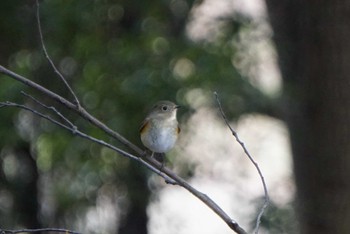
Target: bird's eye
(164, 108)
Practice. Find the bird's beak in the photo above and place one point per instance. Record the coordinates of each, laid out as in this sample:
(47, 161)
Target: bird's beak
(177, 107)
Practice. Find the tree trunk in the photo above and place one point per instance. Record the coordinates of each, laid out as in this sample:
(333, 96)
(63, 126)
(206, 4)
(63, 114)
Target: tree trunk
(135, 221)
(313, 43)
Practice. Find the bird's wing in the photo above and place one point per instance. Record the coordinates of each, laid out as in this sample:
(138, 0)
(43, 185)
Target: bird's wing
(178, 130)
(144, 125)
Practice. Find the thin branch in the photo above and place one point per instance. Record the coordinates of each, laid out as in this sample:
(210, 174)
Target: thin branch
(74, 130)
(52, 108)
(207, 201)
(12, 104)
(76, 100)
(150, 161)
(234, 133)
(81, 111)
(59, 230)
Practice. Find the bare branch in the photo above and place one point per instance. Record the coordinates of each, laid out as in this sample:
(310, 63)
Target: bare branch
(76, 100)
(52, 108)
(74, 130)
(206, 200)
(234, 133)
(149, 162)
(81, 111)
(59, 230)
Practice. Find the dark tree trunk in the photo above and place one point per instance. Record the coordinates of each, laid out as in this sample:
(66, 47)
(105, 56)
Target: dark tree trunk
(135, 221)
(313, 43)
(25, 189)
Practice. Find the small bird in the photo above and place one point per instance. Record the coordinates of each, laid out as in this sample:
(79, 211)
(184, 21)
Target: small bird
(160, 129)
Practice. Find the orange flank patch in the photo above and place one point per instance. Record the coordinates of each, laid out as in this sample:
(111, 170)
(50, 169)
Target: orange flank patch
(144, 127)
(178, 130)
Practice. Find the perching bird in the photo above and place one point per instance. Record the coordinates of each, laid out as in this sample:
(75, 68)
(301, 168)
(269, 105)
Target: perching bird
(160, 129)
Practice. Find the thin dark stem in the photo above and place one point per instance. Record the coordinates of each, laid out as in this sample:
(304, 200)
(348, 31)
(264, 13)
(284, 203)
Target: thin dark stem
(167, 174)
(206, 200)
(50, 108)
(76, 100)
(150, 161)
(74, 130)
(58, 230)
(81, 111)
(234, 133)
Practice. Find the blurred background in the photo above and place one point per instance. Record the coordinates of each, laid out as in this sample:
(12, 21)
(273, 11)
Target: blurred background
(121, 57)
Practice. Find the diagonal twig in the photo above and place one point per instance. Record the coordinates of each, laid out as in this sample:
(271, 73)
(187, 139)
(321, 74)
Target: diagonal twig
(150, 161)
(74, 130)
(81, 111)
(76, 100)
(59, 230)
(169, 176)
(52, 108)
(234, 133)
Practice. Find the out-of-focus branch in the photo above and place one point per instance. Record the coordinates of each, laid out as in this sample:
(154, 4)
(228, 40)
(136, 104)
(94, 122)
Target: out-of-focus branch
(81, 111)
(58, 230)
(234, 133)
(76, 100)
(147, 161)
(75, 131)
